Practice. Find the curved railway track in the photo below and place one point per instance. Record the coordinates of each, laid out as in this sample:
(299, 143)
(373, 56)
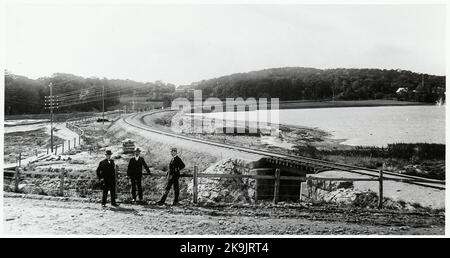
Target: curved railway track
(286, 158)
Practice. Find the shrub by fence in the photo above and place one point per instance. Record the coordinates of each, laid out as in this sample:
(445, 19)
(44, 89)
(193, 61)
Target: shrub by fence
(407, 151)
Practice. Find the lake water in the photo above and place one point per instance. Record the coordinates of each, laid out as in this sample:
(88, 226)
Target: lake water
(367, 126)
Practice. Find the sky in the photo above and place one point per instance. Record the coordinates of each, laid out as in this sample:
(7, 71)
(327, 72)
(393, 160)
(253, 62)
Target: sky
(182, 44)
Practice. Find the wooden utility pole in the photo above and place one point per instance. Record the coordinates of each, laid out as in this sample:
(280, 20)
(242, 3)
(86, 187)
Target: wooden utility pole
(51, 117)
(103, 97)
(51, 102)
(134, 101)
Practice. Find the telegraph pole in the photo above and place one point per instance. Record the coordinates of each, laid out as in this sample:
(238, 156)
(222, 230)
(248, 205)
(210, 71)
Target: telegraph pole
(103, 97)
(51, 103)
(134, 98)
(51, 116)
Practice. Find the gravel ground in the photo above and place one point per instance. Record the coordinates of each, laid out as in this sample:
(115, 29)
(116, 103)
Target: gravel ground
(53, 215)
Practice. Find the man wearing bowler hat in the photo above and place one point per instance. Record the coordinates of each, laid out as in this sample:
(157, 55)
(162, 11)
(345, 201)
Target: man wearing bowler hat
(134, 172)
(175, 165)
(106, 172)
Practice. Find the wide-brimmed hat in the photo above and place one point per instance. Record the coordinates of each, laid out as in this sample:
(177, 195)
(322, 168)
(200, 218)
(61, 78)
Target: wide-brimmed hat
(137, 150)
(108, 152)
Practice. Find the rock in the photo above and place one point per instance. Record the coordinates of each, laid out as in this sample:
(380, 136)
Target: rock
(29, 189)
(202, 223)
(343, 196)
(216, 190)
(8, 188)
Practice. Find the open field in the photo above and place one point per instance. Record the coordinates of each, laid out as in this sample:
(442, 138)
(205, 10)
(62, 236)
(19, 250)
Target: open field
(58, 117)
(53, 215)
(27, 143)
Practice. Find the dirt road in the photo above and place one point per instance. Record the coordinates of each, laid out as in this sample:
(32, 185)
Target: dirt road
(53, 215)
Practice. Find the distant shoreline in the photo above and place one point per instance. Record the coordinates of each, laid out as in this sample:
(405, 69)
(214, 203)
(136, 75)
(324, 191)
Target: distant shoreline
(290, 104)
(347, 103)
(310, 104)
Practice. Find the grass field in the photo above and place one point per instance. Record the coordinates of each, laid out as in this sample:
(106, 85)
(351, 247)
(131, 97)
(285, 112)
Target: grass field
(26, 143)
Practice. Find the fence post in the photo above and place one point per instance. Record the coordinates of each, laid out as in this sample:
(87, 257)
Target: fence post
(276, 189)
(47, 150)
(79, 140)
(300, 192)
(61, 182)
(256, 189)
(16, 180)
(380, 193)
(20, 159)
(74, 141)
(56, 149)
(195, 184)
(68, 144)
(62, 146)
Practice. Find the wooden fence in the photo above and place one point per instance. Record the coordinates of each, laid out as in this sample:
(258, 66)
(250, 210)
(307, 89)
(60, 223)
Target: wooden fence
(17, 175)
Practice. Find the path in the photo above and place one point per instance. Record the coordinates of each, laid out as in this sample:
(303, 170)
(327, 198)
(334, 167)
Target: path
(42, 216)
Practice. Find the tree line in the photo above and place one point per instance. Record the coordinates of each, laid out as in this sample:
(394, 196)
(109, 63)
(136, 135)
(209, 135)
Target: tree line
(27, 96)
(297, 83)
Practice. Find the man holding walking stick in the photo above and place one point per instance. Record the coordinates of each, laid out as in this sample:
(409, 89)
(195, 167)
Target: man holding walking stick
(106, 172)
(134, 173)
(175, 165)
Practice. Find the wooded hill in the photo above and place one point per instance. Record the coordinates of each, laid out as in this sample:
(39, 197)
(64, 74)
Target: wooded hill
(26, 96)
(297, 83)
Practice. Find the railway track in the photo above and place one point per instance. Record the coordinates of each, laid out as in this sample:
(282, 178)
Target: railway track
(281, 158)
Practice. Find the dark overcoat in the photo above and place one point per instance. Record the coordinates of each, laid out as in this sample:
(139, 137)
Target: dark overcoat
(135, 167)
(106, 170)
(175, 165)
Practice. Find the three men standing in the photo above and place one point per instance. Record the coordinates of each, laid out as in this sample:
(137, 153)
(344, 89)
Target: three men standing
(175, 165)
(106, 172)
(134, 172)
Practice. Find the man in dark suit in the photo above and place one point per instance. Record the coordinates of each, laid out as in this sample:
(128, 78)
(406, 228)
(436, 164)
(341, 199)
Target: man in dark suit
(175, 165)
(134, 172)
(106, 172)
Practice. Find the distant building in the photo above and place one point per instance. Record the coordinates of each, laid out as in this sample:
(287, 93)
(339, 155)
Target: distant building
(185, 91)
(402, 91)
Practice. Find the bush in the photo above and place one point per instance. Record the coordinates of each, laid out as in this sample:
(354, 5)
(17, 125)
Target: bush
(420, 151)
(345, 185)
(366, 200)
(164, 121)
(308, 150)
